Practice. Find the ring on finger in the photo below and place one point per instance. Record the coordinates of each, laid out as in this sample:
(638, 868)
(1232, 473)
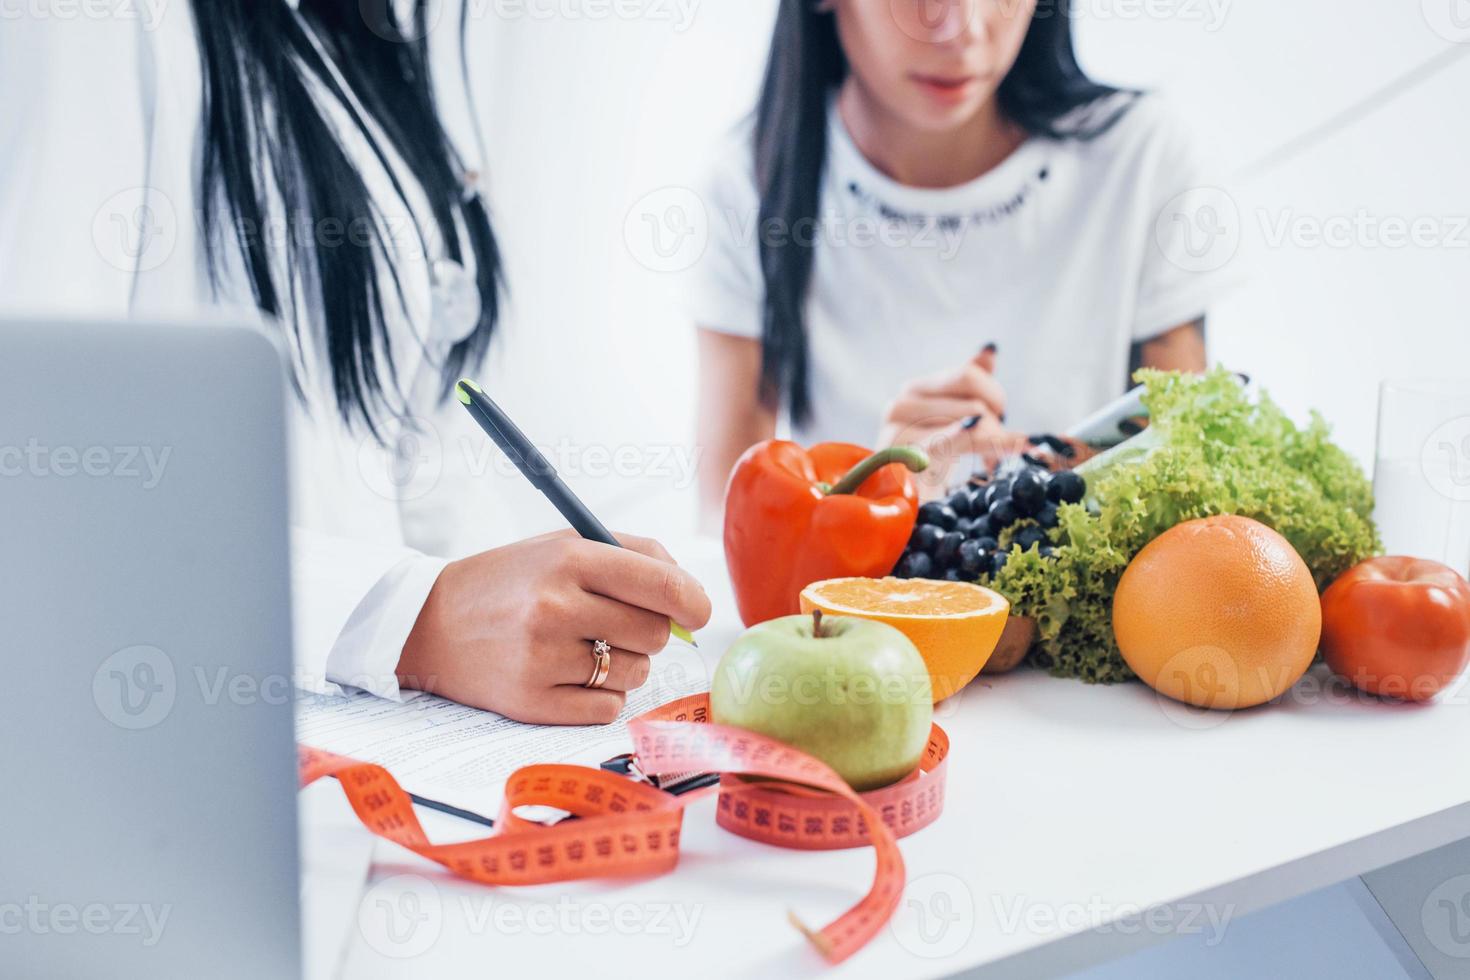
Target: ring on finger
(601, 664)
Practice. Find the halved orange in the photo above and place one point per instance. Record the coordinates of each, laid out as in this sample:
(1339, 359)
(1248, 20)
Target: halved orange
(955, 625)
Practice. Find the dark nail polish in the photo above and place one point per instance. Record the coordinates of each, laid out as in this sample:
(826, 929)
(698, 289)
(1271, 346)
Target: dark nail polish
(990, 348)
(971, 422)
(1050, 442)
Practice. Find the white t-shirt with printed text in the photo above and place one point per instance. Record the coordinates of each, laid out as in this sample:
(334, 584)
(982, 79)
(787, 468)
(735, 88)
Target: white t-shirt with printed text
(1064, 255)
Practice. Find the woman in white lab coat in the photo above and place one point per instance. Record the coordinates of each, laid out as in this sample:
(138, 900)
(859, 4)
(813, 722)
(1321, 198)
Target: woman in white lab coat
(288, 160)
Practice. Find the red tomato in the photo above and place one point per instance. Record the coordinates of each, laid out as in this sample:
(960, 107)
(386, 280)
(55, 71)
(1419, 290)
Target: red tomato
(1399, 627)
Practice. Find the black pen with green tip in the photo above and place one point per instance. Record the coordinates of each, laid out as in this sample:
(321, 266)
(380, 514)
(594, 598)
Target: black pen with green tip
(543, 476)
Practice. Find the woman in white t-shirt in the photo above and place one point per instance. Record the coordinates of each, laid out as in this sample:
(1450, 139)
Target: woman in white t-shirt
(939, 231)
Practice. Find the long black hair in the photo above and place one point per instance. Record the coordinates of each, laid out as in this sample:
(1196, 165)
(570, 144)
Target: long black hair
(806, 67)
(267, 144)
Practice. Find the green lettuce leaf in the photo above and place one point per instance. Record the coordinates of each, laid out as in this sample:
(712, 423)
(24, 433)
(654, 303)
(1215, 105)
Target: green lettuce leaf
(1210, 449)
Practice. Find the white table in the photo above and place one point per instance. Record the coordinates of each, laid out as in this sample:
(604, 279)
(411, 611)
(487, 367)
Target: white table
(1070, 809)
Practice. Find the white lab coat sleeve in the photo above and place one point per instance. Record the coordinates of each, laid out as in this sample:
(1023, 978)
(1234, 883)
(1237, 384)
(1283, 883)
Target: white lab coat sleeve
(79, 194)
(72, 146)
(355, 602)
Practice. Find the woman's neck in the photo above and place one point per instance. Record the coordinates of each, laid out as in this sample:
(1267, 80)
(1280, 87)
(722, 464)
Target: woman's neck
(919, 157)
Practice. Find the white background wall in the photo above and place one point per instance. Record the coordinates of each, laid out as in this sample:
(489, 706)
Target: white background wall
(1320, 325)
(584, 117)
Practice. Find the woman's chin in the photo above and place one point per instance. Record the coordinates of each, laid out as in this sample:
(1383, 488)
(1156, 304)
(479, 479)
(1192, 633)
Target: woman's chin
(941, 111)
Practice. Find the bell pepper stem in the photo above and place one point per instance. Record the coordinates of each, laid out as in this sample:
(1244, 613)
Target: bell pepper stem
(911, 456)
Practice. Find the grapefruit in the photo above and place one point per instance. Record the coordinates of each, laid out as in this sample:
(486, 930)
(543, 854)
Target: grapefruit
(1219, 612)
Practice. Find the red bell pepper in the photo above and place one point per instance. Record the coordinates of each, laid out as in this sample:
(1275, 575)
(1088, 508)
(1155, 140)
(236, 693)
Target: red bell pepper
(795, 516)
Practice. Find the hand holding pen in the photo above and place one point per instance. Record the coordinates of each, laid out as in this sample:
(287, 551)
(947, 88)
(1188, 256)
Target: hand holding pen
(512, 630)
(953, 415)
(556, 629)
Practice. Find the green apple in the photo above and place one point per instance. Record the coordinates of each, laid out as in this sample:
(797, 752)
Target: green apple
(852, 692)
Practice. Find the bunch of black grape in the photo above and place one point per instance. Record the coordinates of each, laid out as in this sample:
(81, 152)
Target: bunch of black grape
(958, 537)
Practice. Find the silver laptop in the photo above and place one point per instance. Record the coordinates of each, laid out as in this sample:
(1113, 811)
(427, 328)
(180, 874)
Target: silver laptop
(147, 764)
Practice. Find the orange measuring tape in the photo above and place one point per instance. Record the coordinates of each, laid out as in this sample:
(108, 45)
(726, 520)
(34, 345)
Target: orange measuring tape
(632, 828)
